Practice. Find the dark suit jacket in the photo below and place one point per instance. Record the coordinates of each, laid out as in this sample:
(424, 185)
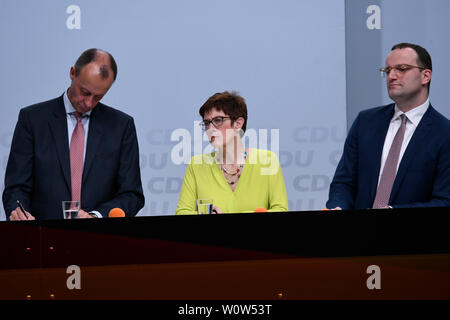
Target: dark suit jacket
(38, 170)
(423, 176)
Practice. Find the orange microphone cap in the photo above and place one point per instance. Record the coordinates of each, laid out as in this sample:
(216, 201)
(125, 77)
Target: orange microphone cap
(116, 213)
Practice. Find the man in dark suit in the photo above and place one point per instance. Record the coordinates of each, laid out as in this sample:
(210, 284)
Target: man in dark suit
(75, 148)
(397, 155)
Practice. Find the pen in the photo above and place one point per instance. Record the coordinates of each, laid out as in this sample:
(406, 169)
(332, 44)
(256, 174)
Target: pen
(21, 207)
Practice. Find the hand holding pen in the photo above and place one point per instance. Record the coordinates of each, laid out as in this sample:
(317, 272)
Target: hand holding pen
(20, 214)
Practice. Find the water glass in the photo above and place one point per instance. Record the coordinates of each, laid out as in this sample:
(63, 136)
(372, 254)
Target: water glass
(70, 209)
(204, 206)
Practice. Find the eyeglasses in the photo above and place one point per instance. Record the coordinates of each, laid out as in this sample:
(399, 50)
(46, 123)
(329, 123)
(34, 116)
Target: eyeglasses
(400, 69)
(216, 121)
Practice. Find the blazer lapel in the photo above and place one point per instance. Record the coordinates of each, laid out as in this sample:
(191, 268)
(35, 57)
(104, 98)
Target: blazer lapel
(58, 127)
(381, 128)
(95, 135)
(417, 140)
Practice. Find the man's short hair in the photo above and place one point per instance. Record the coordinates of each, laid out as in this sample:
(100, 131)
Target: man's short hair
(89, 56)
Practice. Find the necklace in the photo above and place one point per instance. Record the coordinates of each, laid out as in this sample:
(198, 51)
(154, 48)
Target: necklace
(233, 169)
(234, 172)
(233, 182)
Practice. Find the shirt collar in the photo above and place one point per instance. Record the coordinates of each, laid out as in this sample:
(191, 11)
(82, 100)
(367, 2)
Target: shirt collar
(69, 107)
(413, 115)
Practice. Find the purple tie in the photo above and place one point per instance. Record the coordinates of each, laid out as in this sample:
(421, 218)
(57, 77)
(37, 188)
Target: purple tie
(390, 168)
(76, 158)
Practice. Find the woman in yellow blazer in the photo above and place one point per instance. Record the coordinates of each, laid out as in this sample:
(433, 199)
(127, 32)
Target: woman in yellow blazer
(236, 178)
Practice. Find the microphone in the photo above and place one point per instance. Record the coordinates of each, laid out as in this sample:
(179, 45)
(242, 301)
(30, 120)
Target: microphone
(116, 213)
(260, 209)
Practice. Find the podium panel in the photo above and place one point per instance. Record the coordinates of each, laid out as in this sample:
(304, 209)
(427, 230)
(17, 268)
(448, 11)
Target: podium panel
(370, 254)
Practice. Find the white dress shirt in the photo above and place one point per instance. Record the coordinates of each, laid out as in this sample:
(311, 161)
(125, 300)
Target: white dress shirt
(413, 118)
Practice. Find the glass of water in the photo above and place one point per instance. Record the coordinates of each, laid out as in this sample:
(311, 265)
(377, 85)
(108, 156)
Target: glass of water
(70, 209)
(204, 206)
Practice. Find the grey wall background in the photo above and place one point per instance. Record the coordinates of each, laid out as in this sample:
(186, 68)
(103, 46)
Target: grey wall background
(305, 67)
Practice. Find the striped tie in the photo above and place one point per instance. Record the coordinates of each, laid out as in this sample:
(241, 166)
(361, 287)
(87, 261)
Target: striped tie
(76, 158)
(390, 168)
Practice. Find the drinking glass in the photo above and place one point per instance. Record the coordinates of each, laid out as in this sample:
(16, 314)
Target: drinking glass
(204, 206)
(70, 209)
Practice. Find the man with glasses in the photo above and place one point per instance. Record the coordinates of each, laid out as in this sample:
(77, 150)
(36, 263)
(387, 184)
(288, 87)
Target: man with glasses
(397, 155)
